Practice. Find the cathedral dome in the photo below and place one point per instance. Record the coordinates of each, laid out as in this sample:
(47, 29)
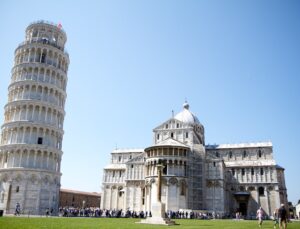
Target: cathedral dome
(186, 116)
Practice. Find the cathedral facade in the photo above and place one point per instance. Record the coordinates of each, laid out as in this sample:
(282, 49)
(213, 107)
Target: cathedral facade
(223, 179)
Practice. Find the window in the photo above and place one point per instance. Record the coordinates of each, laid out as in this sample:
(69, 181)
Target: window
(113, 173)
(120, 173)
(130, 157)
(143, 196)
(187, 135)
(120, 158)
(230, 154)
(17, 189)
(233, 172)
(177, 125)
(132, 166)
(167, 126)
(214, 164)
(43, 58)
(243, 172)
(261, 171)
(259, 153)
(165, 170)
(157, 136)
(40, 141)
(182, 189)
(217, 154)
(244, 154)
(34, 33)
(172, 135)
(252, 171)
(261, 191)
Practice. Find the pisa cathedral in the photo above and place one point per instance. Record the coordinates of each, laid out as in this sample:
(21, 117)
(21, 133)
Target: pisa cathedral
(223, 178)
(32, 133)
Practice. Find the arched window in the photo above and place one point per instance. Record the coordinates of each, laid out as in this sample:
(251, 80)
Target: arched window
(43, 58)
(261, 171)
(120, 190)
(165, 170)
(157, 136)
(182, 189)
(261, 191)
(172, 135)
(259, 153)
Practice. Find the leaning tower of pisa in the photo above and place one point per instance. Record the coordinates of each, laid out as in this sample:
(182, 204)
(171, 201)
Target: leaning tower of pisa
(32, 133)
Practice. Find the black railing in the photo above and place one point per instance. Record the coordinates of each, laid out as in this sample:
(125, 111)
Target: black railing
(48, 23)
(43, 41)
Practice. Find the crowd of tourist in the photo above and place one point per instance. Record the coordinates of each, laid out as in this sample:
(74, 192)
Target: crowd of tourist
(97, 212)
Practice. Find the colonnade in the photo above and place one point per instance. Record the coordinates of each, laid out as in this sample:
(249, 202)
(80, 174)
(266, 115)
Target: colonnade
(34, 91)
(30, 158)
(40, 113)
(41, 54)
(241, 154)
(114, 176)
(44, 74)
(255, 174)
(171, 167)
(173, 158)
(166, 151)
(32, 134)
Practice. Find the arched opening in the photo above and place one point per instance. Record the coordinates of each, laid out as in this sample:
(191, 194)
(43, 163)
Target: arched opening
(261, 191)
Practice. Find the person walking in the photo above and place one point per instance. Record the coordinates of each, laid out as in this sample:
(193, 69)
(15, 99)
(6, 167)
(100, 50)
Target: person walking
(18, 209)
(282, 214)
(275, 215)
(259, 215)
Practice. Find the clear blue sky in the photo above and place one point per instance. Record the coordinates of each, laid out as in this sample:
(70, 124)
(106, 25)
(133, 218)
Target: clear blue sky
(133, 62)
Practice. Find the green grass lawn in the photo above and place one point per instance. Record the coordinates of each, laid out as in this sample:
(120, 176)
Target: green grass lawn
(61, 223)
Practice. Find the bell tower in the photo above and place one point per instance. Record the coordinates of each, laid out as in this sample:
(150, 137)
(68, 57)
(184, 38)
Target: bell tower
(32, 133)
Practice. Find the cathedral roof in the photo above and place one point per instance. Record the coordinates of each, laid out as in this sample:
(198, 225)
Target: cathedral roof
(134, 150)
(115, 166)
(186, 116)
(240, 145)
(169, 142)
